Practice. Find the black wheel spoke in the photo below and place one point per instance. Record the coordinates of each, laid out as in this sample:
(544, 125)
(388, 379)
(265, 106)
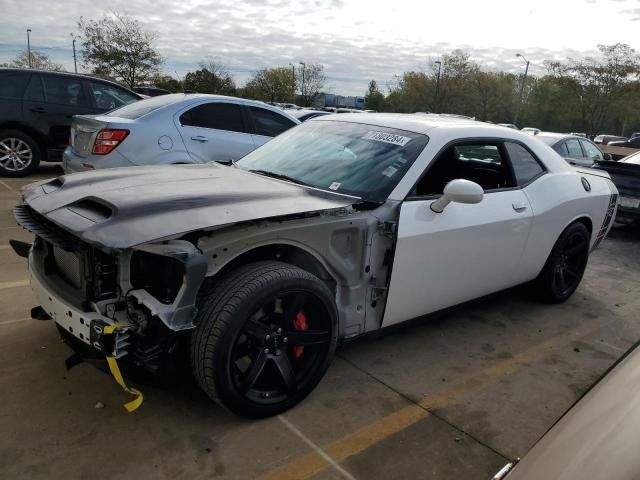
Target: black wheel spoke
(572, 270)
(286, 371)
(254, 371)
(307, 337)
(255, 328)
(561, 281)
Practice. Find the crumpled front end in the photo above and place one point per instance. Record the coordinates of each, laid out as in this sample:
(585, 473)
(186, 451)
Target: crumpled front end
(150, 292)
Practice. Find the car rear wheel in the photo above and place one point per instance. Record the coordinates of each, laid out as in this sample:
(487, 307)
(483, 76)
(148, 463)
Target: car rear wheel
(19, 153)
(565, 266)
(265, 337)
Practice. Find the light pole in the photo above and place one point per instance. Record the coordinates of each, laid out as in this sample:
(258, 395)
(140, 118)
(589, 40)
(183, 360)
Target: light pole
(293, 80)
(28, 47)
(75, 64)
(524, 79)
(435, 97)
(304, 100)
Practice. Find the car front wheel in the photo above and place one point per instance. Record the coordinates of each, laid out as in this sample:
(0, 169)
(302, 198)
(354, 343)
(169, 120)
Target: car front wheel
(19, 153)
(264, 338)
(566, 264)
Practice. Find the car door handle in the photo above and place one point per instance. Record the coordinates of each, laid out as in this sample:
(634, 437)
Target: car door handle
(519, 207)
(38, 110)
(200, 138)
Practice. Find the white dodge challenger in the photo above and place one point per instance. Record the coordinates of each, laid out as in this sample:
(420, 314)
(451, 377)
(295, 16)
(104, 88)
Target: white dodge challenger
(341, 226)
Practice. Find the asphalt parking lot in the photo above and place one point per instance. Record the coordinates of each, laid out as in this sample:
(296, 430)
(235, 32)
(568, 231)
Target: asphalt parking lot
(454, 397)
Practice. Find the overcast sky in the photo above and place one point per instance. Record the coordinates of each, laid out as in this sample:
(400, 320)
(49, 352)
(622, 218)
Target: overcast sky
(356, 40)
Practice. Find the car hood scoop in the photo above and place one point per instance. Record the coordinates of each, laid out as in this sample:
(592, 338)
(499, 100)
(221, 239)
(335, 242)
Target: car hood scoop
(120, 208)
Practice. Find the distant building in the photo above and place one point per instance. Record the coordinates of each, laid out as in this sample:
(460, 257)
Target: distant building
(339, 101)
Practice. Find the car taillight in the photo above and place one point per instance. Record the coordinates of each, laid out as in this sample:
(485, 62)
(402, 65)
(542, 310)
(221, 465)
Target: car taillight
(108, 139)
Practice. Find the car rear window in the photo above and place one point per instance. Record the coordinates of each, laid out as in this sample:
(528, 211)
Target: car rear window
(144, 107)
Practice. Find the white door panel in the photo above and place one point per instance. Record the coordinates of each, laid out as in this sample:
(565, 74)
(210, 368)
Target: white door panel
(207, 144)
(465, 252)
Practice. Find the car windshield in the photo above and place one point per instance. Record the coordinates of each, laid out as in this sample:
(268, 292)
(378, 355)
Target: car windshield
(367, 161)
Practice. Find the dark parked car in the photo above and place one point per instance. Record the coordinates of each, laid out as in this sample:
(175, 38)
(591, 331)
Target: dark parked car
(151, 91)
(625, 174)
(575, 150)
(633, 142)
(36, 108)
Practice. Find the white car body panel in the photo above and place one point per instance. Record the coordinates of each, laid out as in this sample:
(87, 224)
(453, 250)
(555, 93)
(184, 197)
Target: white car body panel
(465, 252)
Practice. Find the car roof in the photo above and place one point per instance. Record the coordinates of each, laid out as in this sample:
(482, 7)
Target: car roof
(411, 122)
(553, 137)
(304, 111)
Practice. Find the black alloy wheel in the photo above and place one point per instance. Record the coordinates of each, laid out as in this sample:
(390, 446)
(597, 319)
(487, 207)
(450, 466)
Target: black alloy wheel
(264, 338)
(565, 265)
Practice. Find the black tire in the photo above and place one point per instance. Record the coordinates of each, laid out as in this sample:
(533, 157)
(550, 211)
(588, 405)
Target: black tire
(249, 320)
(19, 153)
(565, 266)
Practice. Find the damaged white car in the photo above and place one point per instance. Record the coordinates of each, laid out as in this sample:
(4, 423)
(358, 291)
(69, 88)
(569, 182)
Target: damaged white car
(336, 228)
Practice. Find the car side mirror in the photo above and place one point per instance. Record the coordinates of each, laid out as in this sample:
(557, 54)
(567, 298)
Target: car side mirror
(460, 191)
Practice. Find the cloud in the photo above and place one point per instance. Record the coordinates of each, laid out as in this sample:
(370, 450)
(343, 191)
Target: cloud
(356, 41)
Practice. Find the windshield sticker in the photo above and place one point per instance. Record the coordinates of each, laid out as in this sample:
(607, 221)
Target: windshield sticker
(391, 138)
(389, 171)
(334, 186)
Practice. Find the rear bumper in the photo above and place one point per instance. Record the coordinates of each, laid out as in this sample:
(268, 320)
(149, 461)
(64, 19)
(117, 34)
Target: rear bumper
(71, 162)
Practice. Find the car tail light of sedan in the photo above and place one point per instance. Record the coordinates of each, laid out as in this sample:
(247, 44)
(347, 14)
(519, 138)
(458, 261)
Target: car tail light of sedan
(107, 140)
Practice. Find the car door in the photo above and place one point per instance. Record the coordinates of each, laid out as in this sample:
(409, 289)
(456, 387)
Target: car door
(468, 250)
(215, 131)
(50, 102)
(268, 124)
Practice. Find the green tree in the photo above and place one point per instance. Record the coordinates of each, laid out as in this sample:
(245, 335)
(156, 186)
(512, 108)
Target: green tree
(271, 85)
(374, 98)
(599, 83)
(211, 78)
(167, 82)
(39, 61)
(117, 46)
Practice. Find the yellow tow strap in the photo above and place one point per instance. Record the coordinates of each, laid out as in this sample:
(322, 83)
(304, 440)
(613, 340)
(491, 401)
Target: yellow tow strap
(115, 371)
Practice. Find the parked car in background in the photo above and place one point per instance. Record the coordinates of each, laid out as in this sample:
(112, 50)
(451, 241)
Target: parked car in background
(509, 125)
(578, 134)
(575, 150)
(625, 174)
(150, 91)
(305, 114)
(36, 108)
(597, 438)
(171, 129)
(605, 139)
(341, 226)
(348, 110)
(530, 130)
(633, 142)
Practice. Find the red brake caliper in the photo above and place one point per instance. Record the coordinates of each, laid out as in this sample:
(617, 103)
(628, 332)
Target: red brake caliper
(300, 323)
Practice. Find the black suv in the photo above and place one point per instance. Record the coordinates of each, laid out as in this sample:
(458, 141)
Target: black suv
(36, 108)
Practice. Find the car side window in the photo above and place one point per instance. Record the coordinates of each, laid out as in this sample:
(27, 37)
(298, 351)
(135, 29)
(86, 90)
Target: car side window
(34, 90)
(561, 148)
(573, 148)
(219, 116)
(525, 166)
(108, 97)
(591, 150)
(64, 90)
(12, 84)
(268, 123)
(483, 163)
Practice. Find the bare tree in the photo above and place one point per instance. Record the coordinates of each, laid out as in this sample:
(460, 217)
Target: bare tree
(117, 46)
(39, 61)
(311, 79)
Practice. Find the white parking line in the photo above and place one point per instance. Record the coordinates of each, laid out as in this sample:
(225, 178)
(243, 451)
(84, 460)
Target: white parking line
(11, 322)
(18, 283)
(7, 186)
(316, 448)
